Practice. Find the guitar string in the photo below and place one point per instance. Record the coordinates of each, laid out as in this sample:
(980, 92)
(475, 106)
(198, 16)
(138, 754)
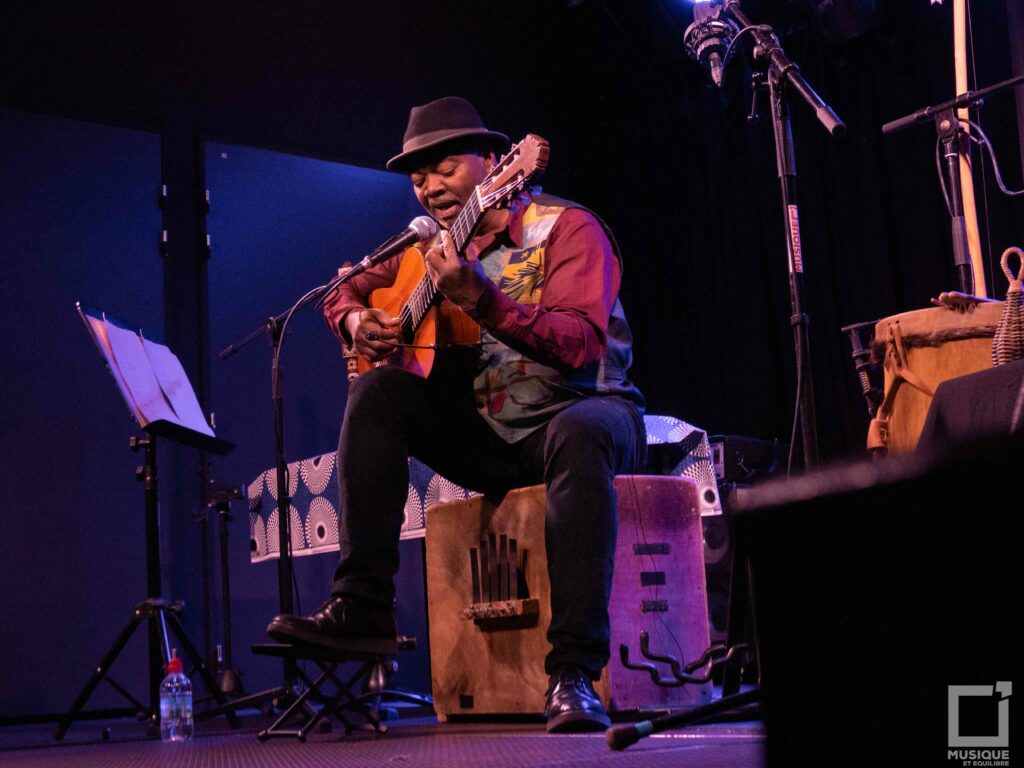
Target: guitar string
(423, 295)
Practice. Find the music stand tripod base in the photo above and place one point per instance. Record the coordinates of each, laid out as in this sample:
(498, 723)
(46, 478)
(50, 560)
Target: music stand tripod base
(157, 611)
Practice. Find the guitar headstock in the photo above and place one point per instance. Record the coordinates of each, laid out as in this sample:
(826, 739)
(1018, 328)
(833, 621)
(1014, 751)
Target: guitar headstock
(523, 163)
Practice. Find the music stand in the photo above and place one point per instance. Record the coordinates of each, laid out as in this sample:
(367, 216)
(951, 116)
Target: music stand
(158, 393)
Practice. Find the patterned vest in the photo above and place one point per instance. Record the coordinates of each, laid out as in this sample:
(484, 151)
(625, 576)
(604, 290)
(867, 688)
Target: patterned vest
(516, 395)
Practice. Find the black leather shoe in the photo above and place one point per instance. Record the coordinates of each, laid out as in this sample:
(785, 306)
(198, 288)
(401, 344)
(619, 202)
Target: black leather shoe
(340, 623)
(572, 705)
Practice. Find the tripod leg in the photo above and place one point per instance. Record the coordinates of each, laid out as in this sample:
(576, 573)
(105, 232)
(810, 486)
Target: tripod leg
(197, 662)
(100, 672)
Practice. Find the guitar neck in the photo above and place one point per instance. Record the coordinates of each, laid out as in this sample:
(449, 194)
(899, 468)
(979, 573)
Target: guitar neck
(422, 297)
(466, 222)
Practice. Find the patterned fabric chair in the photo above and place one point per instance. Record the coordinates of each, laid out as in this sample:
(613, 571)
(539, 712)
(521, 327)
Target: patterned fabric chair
(313, 488)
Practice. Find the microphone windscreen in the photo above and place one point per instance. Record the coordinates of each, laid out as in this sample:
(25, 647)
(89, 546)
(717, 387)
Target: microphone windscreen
(424, 227)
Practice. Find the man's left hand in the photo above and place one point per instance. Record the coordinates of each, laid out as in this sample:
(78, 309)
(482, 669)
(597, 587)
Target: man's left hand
(460, 279)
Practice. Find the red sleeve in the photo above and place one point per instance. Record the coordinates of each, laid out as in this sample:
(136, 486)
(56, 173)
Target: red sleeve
(568, 329)
(354, 295)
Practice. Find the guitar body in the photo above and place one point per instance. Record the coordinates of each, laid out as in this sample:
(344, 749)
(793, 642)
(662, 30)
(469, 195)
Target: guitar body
(441, 325)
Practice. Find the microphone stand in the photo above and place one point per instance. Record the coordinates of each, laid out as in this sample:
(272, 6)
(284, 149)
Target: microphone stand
(779, 71)
(950, 133)
(276, 327)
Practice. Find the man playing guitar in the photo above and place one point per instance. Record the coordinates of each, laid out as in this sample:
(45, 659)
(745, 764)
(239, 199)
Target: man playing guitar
(539, 394)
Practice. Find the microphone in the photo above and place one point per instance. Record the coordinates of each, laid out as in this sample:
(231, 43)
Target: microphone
(419, 229)
(707, 39)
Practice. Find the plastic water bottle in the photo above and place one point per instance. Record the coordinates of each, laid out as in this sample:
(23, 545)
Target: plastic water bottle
(176, 723)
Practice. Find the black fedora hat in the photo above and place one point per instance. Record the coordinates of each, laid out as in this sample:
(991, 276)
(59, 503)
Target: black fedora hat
(437, 123)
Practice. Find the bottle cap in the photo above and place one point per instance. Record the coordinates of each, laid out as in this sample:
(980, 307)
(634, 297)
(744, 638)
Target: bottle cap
(174, 665)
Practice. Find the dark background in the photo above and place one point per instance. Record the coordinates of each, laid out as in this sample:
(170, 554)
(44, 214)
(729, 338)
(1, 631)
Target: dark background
(104, 102)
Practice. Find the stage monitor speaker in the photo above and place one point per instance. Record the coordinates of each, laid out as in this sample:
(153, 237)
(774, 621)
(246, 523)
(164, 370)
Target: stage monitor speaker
(877, 587)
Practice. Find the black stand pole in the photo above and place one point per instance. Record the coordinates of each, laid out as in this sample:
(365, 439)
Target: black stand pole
(948, 127)
(157, 611)
(284, 528)
(202, 517)
(219, 498)
(781, 71)
(949, 136)
(158, 652)
(229, 679)
(785, 160)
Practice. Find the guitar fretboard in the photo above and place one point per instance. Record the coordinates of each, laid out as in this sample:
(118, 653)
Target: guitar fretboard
(423, 295)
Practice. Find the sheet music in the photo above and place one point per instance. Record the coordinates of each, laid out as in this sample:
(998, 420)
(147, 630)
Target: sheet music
(98, 327)
(131, 360)
(176, 387)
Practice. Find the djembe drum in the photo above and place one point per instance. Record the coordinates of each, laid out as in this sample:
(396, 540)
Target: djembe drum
(919, 351)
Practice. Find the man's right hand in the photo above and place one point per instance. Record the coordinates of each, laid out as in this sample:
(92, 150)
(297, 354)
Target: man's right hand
(380, 325)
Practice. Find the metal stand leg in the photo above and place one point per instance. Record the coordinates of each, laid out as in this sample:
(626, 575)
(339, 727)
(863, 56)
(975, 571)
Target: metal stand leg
(100, 672)
(344, 698)
(376, 687)
(158, 612)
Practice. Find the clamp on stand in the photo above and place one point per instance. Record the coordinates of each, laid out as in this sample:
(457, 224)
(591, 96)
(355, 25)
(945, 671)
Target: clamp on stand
(863, 365)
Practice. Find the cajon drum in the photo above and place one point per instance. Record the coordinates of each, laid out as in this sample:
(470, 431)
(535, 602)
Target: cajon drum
(489, 596)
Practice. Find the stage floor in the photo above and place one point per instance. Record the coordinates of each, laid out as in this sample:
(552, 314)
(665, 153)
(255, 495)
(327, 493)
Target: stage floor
(419, 742)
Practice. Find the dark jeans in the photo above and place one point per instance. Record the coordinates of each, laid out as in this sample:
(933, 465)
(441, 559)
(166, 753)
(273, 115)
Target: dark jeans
(392, 414)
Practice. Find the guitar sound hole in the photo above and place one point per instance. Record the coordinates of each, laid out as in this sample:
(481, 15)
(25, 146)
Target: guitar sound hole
(408, 332)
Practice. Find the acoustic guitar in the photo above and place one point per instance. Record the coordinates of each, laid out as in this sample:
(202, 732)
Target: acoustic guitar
(429, 321)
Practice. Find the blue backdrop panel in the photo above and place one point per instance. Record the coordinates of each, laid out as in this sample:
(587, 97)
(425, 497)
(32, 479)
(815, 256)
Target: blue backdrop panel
(279, 226)
(78, 221)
